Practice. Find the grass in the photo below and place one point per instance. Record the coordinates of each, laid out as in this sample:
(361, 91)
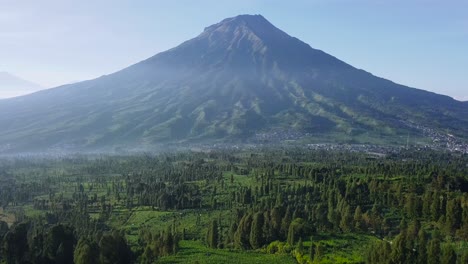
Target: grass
(244, 180)
(196, 252)
(342, 248)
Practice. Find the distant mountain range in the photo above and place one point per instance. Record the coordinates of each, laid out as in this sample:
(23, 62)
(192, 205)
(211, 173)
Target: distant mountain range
(11, 86)
(240, 80)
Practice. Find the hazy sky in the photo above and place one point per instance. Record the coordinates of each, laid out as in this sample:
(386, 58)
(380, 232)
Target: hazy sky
(419, 43)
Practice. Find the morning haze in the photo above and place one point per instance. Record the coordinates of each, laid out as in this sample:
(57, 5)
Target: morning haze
(208, 132)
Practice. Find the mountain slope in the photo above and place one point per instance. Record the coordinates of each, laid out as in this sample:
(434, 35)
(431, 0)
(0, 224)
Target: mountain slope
(11, 86)
(239, 77)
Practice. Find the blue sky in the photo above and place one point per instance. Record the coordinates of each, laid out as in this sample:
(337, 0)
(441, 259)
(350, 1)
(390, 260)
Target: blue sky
(419, 43)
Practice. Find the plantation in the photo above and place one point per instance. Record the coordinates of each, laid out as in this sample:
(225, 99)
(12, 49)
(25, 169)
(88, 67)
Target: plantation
(289, 205)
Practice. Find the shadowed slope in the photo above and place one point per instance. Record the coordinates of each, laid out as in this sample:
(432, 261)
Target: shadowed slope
(238, 77)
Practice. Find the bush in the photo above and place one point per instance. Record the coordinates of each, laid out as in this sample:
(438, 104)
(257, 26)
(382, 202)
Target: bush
(278, 247)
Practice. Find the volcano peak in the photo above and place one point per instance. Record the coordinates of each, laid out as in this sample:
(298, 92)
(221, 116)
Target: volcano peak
(239, 78)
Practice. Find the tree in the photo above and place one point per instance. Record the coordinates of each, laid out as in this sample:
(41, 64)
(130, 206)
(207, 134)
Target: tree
(464, 257)
(16, 243)
(379, 252)
(411, 206)
(212, 236)
(413, 229)
(148, 255)
(300, 246)
(319, 251)
(312, 251)
(433, 250)
(285, 222)
(242, 235)
(169, 242)
(453, 215)
(256, 231)
(399, 251)
(3, 228)
(435, 206)
(422, 247)
(296, 230)
(358, 218)
(86, 252)
(59, 244)
(346, 219)
(448, 255)
(275, 219)
(113, 249)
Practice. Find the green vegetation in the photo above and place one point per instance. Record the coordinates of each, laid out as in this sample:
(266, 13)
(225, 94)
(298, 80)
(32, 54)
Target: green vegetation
(258, 85)
(286, 205)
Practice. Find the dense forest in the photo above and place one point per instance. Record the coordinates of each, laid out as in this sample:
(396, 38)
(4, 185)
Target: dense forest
(289, 205)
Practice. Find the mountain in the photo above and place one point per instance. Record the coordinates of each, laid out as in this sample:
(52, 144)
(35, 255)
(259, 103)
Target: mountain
(240, 80)
(11, 86)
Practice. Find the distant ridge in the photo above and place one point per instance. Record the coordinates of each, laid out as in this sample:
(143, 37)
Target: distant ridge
(11, 86)
(240, 80)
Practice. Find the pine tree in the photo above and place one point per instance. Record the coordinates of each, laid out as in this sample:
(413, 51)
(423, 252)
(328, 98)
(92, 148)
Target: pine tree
(212, 236)
(86, 252)
(433, 249)
(312, 251)
(285, 222)
(296, 230)
(448, 255)
(3, 228)
(358, 218)
(114, 249)
(422, 247)
(453, 215)
(275, 216)
(148, 256)
(242, 235)
(399, 250)
(435, 206)
(256, 231)
(300, 246)
(346, 219)
(464, 257)
(319, 251)
(62, 237)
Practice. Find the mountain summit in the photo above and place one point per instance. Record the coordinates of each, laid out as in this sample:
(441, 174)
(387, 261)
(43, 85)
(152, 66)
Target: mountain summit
(244, 43)
(241, 79)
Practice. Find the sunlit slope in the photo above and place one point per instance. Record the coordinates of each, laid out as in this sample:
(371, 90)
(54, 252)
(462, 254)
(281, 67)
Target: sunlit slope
(239, 77)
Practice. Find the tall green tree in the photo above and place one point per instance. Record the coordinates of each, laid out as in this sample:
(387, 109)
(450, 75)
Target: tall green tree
(433, 249)
(358, 218)
(86, 252)
(453, 215)
(256, 231)
(113, 249)
(346, 223)
(3, 228)
(422, 247)
(60, 243)
(212, 236)
(448, 255)
(312, 251)
(399, 250)
(16, 244)
(319, 252)
(242, 235)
